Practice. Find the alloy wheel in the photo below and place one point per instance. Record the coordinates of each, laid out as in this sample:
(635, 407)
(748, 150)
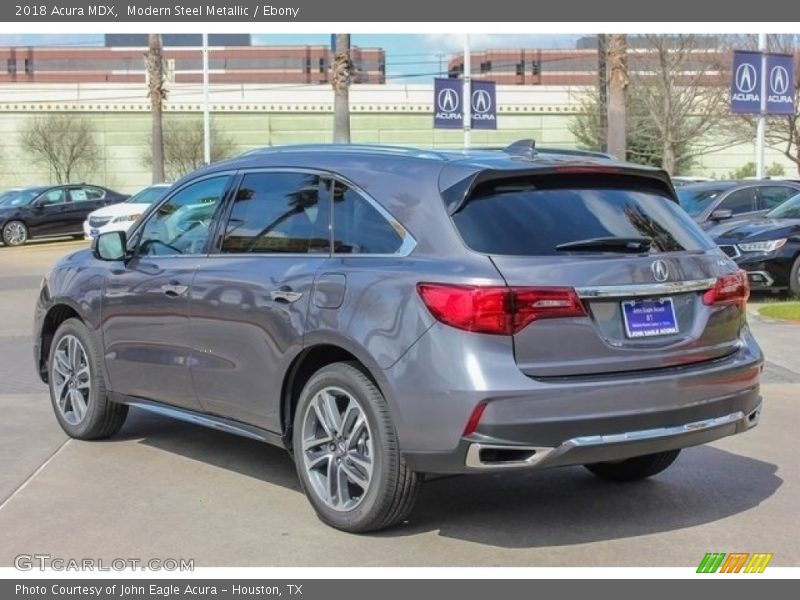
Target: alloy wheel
(337, 448)
(15, 234)
(71, 379)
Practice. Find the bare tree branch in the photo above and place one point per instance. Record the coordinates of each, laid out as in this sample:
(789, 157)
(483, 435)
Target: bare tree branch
(183, 147)
(63, 142)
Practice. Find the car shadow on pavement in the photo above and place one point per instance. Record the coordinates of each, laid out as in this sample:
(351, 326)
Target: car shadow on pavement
(564, 506)
(553, 507)
(251, 458)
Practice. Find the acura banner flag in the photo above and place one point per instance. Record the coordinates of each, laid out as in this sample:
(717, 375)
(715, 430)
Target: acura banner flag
(448, 104)
(484, 104)
(746, 82)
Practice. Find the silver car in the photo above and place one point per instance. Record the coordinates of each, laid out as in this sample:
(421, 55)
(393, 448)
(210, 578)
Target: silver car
(387, 313)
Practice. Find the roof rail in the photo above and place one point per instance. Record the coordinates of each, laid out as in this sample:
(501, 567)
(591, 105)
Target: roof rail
(348, 148)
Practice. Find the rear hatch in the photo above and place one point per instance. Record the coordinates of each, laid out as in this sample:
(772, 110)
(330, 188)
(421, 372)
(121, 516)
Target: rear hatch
(640, 286)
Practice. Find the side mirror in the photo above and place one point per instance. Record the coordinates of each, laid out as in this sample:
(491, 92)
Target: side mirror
(111, 245)
(721, 214)
(38, 204)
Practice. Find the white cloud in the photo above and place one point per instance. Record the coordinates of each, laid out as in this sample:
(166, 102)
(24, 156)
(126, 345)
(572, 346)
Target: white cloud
(454, 42)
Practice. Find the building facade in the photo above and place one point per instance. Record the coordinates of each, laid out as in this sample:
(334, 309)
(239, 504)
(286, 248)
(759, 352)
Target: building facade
(237, 63)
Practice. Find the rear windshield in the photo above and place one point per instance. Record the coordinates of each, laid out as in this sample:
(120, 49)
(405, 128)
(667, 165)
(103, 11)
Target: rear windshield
(526, 220)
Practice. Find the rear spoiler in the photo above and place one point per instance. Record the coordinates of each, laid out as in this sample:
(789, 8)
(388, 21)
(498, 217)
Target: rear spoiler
(457, 183)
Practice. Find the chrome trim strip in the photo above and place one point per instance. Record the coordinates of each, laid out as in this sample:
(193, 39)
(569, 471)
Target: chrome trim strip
(652, 434)
(768, 280)
(474, 456)
(540, 455)
(645, 289)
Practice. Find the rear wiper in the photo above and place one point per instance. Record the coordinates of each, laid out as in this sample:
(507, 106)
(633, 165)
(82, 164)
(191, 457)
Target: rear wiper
(609, 244)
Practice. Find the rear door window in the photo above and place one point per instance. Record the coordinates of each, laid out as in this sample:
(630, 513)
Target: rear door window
(740, 201)
(278, 213)
(523, 218)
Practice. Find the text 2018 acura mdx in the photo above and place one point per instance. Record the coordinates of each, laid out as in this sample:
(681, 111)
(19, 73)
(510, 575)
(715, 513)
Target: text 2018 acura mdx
(388, 313)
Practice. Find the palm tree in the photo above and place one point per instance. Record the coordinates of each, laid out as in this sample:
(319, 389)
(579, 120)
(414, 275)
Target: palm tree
(342, 67)
(617, 68)
(157, 94)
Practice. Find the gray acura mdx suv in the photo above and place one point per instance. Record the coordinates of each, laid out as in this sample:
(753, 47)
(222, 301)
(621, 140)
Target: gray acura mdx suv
(387, 313)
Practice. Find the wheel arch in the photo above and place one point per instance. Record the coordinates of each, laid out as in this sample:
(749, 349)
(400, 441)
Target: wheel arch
(55, 316)
(310, 360)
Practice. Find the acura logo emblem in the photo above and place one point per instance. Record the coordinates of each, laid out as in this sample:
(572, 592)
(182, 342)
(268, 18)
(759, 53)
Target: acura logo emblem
(746, 78)
(779, 80)
(481, 101)
(447, 100)
(660, 270)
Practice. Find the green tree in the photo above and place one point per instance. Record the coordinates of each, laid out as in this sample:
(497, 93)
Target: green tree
(749, 170)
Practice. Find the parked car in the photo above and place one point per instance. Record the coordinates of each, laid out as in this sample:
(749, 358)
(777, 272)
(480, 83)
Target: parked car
(6, 195)
(388, 313)
(713, 202)
(120, 217)
(51, 211)
(768, 248)
(681, 180)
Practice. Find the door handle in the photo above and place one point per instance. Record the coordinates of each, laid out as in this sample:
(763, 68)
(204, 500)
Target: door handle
(285, 295)
(173, 290)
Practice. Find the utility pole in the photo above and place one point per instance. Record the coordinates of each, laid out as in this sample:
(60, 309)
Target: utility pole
(157, 94)
(206, 109)
(342, 68)
(617, 66)
(761, 127)
(602, 89)
(467, 93)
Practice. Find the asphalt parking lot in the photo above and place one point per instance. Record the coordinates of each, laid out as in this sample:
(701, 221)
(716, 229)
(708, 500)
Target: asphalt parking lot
(164, 489)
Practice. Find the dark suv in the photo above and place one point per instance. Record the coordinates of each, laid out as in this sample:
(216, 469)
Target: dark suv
(387, 313)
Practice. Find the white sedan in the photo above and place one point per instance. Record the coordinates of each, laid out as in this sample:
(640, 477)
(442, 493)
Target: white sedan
(120, 217)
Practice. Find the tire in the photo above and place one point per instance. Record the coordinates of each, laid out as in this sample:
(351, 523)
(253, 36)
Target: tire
(365, 443)
(636, 468)
(77, 388)
(15, 233)
(794, 278)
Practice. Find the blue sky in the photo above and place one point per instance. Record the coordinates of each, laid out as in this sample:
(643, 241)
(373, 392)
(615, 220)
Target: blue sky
(410, 57)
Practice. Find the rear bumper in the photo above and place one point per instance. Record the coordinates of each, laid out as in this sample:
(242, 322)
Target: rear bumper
(480, 453)
(625, 414)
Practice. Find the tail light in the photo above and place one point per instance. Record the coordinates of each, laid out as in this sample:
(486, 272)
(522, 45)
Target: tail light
(495, 309)
(729, 289)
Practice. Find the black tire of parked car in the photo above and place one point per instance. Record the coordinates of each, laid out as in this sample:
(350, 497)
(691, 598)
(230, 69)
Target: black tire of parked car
(103, 418)
(794, 278)
(9, 239)
(636, 468)
(394, 487)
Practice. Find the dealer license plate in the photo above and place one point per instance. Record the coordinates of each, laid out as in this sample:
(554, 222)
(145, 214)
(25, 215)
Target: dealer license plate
(650, 317)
